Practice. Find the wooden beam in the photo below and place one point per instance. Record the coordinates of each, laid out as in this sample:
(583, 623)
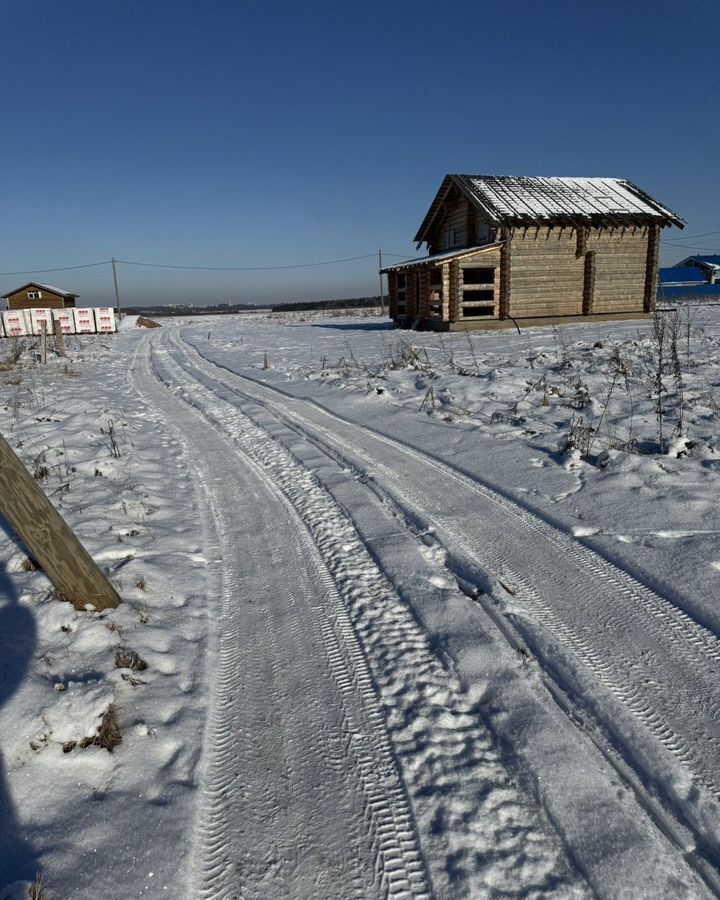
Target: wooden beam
(50, 541)
(582, 236)
(589, 283)
(505, 252)
(651, 268)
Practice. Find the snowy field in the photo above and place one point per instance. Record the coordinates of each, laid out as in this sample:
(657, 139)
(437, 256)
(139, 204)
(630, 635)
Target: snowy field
(404, 614)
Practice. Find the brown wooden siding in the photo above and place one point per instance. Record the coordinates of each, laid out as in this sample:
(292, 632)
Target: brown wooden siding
(19, 300)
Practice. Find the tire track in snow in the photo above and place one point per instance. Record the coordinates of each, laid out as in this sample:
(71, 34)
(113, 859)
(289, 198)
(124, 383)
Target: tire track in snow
(484, 837)
(346, 759)
(656, 686)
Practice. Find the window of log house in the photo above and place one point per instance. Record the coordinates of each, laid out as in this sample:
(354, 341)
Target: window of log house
(473, 275)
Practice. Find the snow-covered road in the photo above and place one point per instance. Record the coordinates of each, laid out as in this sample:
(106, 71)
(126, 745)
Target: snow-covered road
(301, 793)
(351, 526)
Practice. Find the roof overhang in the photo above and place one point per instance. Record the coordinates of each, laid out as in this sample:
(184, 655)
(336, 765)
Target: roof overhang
(438, 259)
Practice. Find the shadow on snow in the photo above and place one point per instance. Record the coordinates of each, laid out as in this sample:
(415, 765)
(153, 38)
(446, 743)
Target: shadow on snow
(18, 639)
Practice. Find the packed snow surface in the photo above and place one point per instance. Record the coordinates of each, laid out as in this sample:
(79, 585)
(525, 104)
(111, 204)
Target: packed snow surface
(404, 615)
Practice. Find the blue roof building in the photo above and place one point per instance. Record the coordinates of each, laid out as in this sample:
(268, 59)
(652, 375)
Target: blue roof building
(695, 278)
(708, 265)
(681, 276)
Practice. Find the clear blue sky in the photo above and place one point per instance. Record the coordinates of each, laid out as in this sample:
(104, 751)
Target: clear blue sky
(227, 133)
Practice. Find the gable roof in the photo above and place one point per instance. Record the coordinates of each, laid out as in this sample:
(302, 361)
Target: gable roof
(681, 275)
(523, 200)
(711, 261)
(42, 287)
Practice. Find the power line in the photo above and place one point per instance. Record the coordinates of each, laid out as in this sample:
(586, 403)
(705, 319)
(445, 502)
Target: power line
(330, 262)
(687, 247)
(692, 237)
(105, 262)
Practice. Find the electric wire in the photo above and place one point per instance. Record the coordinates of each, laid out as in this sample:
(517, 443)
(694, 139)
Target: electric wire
(330, 262)
(105, 262)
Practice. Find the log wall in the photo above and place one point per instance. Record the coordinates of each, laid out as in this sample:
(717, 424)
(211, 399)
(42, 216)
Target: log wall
(548, 277)
(392, 294)
(620, 269)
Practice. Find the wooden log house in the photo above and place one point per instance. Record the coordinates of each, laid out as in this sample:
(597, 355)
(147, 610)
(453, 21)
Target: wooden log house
(538, 249)
(43, 296)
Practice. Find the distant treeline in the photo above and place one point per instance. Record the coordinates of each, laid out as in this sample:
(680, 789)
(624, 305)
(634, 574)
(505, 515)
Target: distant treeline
(180, 309)
(351, 303)
(172, 309)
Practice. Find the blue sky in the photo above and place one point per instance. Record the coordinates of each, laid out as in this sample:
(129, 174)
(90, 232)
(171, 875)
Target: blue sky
(235, 134)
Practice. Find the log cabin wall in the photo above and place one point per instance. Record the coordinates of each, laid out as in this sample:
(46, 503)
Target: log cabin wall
(456, 227)
(392, 294)
(651, 268)
(620, 269)
(424, 286)
(546, 275)
(411, 294)
(445, 300)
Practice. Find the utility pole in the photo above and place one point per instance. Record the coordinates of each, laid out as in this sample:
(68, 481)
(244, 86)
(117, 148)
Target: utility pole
(117, 292)
(382, 295)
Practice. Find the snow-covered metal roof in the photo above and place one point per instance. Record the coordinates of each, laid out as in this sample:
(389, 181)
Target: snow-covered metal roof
(524, 200)
(712, 261)
(438, 258)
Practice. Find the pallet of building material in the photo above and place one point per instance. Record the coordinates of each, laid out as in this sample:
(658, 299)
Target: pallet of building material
(84, 321)
(16, 322)
(64, 320)
(105, 319)
(39, 317)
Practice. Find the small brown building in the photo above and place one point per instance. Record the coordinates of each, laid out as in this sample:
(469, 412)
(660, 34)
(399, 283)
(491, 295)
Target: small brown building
(33, 295)
(546, 249)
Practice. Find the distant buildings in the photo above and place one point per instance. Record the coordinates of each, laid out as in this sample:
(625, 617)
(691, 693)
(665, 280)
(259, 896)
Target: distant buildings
(708, 265)
(695, 277)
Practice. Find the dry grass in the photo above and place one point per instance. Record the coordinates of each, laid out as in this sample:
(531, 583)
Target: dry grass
(36, 891)
(29, 565)
(108, 735)
(129, 659)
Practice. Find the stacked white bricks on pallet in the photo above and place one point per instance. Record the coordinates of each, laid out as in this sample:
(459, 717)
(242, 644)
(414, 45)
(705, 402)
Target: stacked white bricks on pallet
(16, 323)
(84, 321)
(40, 317)
(105, 319)
(64, 320)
